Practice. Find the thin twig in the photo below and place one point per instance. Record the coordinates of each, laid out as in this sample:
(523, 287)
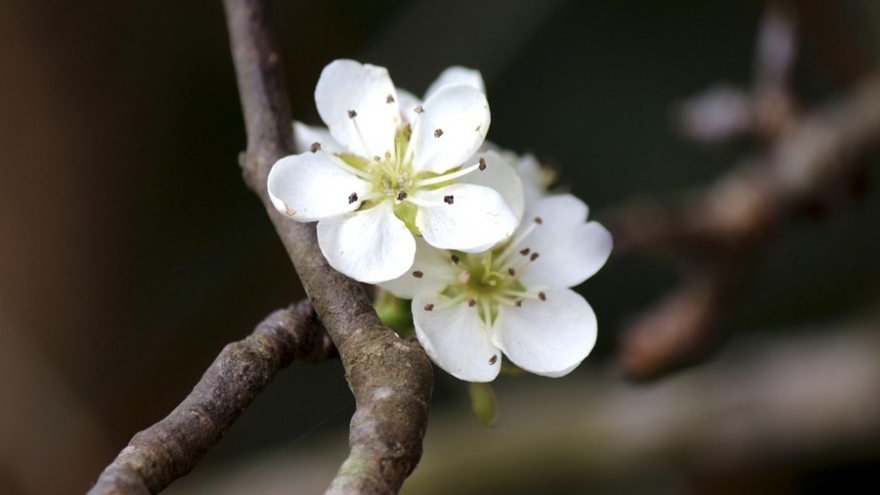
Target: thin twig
(391, 379)
(171, 448)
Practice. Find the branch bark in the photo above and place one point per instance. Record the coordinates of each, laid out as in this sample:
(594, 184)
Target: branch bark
(171, 448)
(391, 379)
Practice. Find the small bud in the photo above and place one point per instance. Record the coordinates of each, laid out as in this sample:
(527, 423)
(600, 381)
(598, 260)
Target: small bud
(352, 197)
(482, 164)
(438, 133)
(352, 114)
(429, 307)
(389, 99)
(418, 274)
(448, 199)
(401, 195)
(315, 147)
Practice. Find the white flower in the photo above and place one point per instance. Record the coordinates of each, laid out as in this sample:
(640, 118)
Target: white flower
(468, 308)
(390, 173)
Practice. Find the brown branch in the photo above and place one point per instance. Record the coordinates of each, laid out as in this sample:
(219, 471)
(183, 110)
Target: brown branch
(391, 379)
(172, 447)
(723, 226)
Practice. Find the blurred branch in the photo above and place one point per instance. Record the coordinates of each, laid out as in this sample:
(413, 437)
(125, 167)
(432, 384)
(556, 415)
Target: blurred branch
(722, 227)
(391, 379)
(171, 448)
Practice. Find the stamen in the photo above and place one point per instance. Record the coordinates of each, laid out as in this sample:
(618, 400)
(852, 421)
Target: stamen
(352, 198)
(482, 164)
(438, 133)
(315, 147)
(518, 303)
(472, 303)
(401, 195)
(357, 128)
(493, 359)
(377, 159)
(429, 307)
(418, 274)
(352, 114)
(539, 220)
(512, 272)
(389, 99)
(419, 109)
(534, 256)
(455, 259)
(348, 168)
(448, 199)
(525, 251)
(542, 296)
(447, 177)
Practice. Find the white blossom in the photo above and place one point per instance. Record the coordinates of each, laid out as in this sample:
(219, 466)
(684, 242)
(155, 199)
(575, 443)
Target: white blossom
(515, 299)
(382, 173)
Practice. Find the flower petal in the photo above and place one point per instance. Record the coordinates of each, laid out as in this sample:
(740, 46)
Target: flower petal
(408, 103)
(452, 126)
(570, 249)
(499, 175)
(464, 217)
(304, 136)
(549, 337)
(432, 269)
(311, 186)
(370, 245)
(457, 75)
(358, 103)
(455, 338)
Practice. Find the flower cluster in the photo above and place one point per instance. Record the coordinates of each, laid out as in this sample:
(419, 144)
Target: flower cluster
(408, 195)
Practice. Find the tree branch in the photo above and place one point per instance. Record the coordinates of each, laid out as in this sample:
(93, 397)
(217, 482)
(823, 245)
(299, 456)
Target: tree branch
(171, 448)
(391, 379)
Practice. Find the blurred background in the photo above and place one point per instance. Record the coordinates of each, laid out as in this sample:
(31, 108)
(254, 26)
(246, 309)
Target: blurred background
(131, 252)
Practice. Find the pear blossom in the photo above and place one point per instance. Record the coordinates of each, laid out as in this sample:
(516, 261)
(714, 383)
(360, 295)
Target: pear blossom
(383, 174)
(513, 299)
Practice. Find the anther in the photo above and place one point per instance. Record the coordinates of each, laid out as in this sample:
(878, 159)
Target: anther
(448, 199)
(315, 147)
(438, 132)
(542, 296)
(352, 197)
(419, 109)
(389, 99)
(472, 303)
(518, 304)
(429, 307)
(525, 251)
(377, 159)
(482, 164)
(493, 359)
(512, 272)
(534, 256)
(539, 220)
(419, 274)
(352, 114)
(401, 195)
(454, 259)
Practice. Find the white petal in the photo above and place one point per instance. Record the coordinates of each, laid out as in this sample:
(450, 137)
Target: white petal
(500, 176)
(370, 245)
(367, 90)
(451, 128)
(408, 103)
(311, 186)
(433, 269)
(472, 219)
(304, 136)
(570, 250)
(457, 75)
(533, 178)
(549, 337)
(455, 338)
